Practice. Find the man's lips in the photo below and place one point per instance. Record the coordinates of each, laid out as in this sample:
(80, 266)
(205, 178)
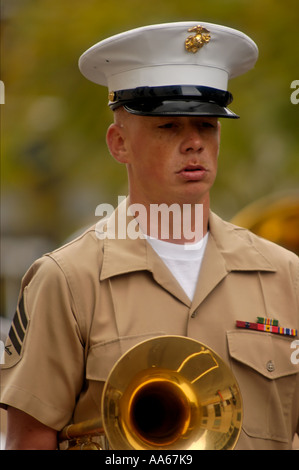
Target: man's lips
(193, 172)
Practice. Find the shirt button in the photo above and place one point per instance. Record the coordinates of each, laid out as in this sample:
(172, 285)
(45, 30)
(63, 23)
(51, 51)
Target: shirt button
(270, 366)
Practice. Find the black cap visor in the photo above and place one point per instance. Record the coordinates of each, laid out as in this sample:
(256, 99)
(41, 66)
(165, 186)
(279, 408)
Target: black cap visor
(178, 108)
(175, 101)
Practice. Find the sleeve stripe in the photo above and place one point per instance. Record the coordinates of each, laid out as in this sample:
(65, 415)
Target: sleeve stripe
(23, 313)
(17, 345)
(18, 327)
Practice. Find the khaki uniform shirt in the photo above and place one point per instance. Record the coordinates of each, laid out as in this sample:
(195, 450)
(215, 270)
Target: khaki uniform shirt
(82, 306)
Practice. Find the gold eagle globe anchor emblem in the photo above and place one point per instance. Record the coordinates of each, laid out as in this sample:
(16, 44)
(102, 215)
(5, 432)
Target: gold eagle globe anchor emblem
(194, 43)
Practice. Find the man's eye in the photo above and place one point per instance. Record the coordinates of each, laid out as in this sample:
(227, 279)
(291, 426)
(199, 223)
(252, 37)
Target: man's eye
(168, 125)
(208, 125)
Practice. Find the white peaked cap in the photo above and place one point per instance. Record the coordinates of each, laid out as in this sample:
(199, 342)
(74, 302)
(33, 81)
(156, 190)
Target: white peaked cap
(157, 56)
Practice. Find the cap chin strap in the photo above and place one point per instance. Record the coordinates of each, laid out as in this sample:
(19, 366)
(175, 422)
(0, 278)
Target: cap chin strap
(178, 108)
(174, 100)
(200, 93)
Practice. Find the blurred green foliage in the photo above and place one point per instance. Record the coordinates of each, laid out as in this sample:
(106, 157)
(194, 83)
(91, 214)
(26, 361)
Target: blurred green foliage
(55, 165)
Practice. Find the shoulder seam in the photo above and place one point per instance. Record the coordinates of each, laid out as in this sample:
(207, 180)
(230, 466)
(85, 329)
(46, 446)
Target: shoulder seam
(79, 320)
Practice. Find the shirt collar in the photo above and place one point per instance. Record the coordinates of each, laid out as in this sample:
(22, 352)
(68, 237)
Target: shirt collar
(228, 246)
(237, 247)
(122, 253)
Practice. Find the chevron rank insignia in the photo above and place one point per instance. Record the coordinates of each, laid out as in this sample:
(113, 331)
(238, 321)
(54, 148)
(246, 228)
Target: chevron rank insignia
(16, 336)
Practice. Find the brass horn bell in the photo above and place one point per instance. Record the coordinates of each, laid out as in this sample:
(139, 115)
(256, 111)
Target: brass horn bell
(169, 392)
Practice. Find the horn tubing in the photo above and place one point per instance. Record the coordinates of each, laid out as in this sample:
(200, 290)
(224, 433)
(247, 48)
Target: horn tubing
(86, 428)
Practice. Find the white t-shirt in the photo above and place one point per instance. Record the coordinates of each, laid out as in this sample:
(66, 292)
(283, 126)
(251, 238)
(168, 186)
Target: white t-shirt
(184, 261)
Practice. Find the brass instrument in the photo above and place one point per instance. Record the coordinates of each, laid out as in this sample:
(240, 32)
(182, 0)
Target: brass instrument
(274, 217)
(169, 392)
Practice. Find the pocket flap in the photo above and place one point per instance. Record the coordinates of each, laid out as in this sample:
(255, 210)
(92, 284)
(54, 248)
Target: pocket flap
(103, 356)
(268, 354)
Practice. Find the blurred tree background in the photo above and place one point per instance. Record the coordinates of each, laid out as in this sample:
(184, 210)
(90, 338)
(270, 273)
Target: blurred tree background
(55, 167)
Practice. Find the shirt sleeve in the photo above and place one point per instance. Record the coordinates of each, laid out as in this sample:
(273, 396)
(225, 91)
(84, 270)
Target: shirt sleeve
(43, 370)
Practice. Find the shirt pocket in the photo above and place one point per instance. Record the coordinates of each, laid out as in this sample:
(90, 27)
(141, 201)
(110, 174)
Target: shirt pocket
(103, 356)
(267, 378)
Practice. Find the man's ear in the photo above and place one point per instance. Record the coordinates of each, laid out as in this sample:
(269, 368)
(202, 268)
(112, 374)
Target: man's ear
(116, 142)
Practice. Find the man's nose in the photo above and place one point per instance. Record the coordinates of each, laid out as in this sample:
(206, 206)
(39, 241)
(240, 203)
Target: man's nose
(192, 141)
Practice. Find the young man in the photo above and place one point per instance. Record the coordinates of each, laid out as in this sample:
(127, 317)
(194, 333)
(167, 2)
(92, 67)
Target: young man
(82, 306)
